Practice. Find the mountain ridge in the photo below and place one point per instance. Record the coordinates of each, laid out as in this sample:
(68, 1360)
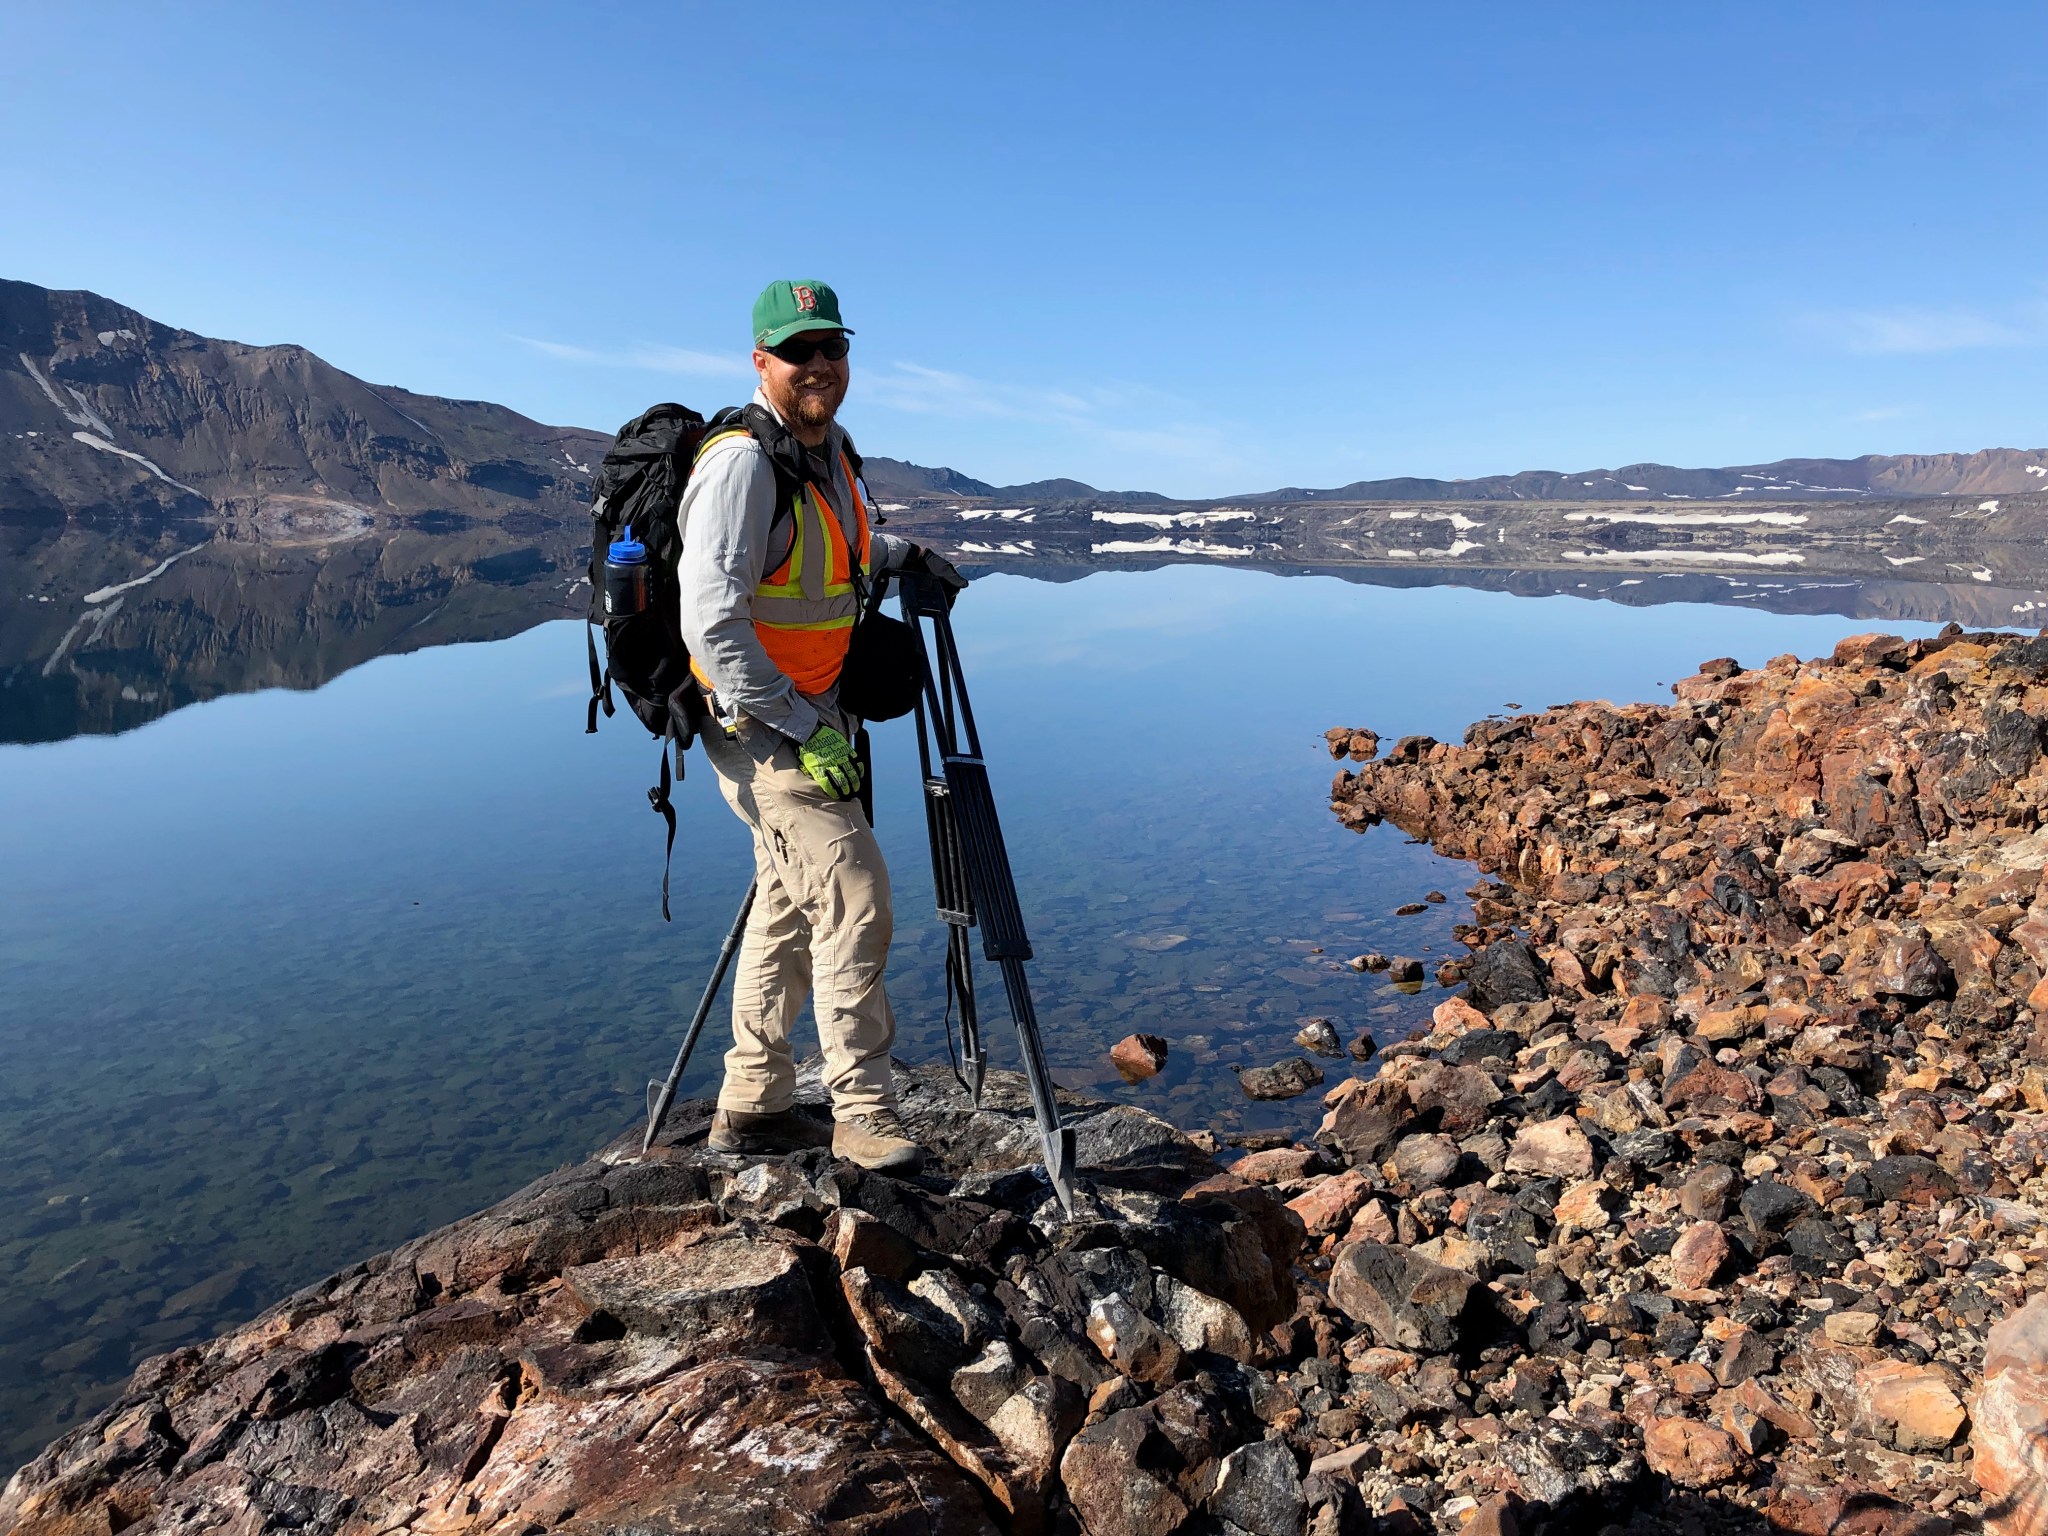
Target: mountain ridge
(104, 410)
(1989, 471)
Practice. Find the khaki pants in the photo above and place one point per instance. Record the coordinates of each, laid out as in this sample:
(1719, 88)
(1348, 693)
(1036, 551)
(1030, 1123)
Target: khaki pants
(821, 926)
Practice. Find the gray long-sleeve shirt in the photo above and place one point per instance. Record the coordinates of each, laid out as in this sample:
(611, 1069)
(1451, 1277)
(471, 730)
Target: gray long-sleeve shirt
(728, 510)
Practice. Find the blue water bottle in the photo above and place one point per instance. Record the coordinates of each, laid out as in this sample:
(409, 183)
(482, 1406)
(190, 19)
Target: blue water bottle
(625, 576)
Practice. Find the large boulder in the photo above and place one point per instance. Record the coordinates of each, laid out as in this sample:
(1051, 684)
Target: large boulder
(1506, 971)
(1405, 1300)
(1258, 1490)
(1117, 1476)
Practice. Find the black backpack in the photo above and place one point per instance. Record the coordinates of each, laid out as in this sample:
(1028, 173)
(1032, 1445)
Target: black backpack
(640, 486)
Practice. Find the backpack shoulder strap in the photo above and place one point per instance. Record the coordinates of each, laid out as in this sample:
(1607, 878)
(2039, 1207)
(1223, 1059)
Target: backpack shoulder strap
(778, 445)
(720, 428)
(784, 452)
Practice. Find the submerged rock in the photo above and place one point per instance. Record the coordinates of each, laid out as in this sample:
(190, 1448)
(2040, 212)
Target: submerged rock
(1138, 1057)
(1319, 1036)
(1288, 1080)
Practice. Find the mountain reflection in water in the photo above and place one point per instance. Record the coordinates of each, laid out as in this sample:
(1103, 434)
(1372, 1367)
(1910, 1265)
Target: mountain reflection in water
(105, 629)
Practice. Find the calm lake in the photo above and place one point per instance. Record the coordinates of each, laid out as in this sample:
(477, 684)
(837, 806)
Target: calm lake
(289, 977)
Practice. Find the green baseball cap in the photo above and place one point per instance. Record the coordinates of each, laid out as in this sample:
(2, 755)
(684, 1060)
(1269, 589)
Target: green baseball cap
(787, 308)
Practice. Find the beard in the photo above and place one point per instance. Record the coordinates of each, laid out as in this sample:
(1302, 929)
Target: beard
(817, 410)
(811, 409)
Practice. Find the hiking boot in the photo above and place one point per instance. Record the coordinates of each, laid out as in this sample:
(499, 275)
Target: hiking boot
(877, 1140)
(740, 1130)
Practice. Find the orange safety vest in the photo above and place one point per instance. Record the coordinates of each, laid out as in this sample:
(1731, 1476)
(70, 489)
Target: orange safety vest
(804, 609)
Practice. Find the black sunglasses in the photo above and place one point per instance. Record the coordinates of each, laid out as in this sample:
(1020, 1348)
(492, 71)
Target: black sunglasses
(799, 350)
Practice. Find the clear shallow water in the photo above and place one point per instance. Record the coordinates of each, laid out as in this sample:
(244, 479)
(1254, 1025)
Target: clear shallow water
(286, 978)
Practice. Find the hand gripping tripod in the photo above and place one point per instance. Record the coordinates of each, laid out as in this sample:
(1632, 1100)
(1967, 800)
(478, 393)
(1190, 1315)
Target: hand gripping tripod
(970, 876)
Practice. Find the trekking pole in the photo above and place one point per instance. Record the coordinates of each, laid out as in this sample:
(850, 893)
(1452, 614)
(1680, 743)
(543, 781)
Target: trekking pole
(661, 1095)
(971, 869)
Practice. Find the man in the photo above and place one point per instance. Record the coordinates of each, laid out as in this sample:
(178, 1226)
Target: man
(769, 594)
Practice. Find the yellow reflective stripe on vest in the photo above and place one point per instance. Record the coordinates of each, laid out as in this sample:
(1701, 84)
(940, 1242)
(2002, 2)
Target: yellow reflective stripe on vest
(814, 624)
(792, 563)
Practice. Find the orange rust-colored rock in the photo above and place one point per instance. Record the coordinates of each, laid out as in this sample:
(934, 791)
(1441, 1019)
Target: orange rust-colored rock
(1691, 1454)
(2009, 1423)
(1137, 1057)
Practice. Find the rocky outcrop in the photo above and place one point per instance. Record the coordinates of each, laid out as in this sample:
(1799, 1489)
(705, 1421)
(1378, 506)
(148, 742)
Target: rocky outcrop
(694, 1342)
(1748, 1096)
(104, 411)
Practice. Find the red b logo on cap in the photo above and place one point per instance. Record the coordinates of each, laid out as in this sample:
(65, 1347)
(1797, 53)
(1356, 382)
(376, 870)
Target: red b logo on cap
(805, 299)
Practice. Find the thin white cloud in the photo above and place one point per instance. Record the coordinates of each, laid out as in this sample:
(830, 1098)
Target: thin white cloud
(1128, 418)
(647, 357)
(926, 391)
(1881, 332)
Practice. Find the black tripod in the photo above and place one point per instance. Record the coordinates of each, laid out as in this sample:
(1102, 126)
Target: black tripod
(970, 876)
(971, 872)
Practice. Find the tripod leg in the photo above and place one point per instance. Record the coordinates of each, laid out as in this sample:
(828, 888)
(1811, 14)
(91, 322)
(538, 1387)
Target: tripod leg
(956, 909)
(1056, 1137)
(661, 1095)
(1006, 943)
(960, 972)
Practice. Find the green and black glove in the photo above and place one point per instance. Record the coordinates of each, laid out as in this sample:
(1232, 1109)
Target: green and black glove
(829, 759)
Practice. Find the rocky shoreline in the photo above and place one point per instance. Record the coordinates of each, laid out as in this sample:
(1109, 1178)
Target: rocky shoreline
(1755, 1080)
(1711, 1202)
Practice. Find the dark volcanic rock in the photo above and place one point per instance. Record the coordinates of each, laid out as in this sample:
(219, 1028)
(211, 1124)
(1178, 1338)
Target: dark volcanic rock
(1405, 1300)
(1770, 1206)
(907, 1370)
(1506, 972)
(1113, 1473)
(1914, 1179)
(1556, 1460)
(1289, 1079)
(1258, 1489)
(1480, 1045)
(1366, 1122)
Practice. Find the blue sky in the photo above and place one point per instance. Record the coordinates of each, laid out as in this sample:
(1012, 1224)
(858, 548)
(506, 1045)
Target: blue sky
(1195, 248)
